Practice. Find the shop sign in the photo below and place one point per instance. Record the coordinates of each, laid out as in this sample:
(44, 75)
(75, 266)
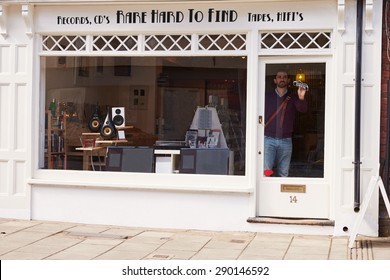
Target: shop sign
(178, 16)
(136, 17)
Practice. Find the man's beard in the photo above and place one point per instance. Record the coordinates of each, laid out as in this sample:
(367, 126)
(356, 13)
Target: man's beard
(282, 85)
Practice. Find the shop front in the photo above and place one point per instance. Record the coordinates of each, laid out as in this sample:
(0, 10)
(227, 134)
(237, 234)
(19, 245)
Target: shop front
(160, 114)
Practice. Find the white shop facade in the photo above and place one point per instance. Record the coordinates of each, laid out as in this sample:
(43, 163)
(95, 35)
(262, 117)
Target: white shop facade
(187, 80)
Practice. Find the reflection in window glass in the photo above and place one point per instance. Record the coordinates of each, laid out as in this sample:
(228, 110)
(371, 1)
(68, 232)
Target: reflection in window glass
(294, 120)
(165, 103)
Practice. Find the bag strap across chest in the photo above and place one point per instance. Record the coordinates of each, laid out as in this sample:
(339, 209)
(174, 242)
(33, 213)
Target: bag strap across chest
(282, 107)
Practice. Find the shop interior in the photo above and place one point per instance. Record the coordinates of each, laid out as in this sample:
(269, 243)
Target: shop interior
(176, 114)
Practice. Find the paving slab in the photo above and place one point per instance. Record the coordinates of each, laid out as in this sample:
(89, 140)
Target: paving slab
(36, 240)
(217, 254)
(263, 253)
(171, 254)
(81, 251)
(122, 255)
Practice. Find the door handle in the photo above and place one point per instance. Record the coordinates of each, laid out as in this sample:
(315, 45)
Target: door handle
(260, 119)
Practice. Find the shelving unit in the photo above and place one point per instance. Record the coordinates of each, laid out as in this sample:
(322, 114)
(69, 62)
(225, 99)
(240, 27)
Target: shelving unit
(56, 138)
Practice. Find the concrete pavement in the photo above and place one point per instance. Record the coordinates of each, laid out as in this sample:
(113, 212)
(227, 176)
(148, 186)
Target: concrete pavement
(45, 240)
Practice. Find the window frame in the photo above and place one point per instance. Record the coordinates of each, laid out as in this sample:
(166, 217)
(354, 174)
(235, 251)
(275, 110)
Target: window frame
(127, 180)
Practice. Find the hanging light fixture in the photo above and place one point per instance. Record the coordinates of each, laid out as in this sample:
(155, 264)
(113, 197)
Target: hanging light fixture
(300, 76)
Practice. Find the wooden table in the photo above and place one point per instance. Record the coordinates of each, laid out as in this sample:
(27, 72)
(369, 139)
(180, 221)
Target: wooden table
(95, 148)
(110, 142)
(88, 153)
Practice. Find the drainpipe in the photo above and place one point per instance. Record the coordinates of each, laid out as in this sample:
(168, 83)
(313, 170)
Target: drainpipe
(358, 91)
(387, 153)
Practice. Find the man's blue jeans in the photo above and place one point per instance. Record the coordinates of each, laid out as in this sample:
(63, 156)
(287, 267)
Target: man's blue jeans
(277, 153)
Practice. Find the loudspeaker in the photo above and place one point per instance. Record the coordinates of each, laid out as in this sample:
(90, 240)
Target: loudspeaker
(95, 122)
(118, 116)
(108, 130)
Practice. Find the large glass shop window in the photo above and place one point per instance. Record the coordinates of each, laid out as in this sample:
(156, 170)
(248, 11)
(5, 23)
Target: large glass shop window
(294, 123)
(145, 114)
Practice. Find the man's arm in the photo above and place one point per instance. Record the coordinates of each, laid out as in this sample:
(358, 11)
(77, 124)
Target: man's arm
(301, 103)
(301, 93)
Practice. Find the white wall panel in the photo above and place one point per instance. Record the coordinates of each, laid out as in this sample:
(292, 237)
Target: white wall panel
(4, 178)
(346, 193)
(349, 58)
(20, 116)
(5, 59)
(19, 179)
(368, 64)
(348, 103)
(4, 119)
(21, 59)
(369, 128)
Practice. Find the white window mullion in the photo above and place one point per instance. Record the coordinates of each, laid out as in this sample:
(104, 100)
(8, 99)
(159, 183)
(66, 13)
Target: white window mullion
(89, 44)
(194, 43)
(141, 43)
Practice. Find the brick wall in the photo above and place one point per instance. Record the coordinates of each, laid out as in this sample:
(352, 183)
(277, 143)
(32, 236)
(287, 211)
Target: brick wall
(384, 220)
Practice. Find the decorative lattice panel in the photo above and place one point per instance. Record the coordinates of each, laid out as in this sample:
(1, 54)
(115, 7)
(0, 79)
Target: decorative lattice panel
(63, 43)
(298, 40)
(167, 42)
(115, 43)
(222, 42)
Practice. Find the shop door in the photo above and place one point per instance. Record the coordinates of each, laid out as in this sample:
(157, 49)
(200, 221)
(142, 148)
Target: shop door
(294, 185)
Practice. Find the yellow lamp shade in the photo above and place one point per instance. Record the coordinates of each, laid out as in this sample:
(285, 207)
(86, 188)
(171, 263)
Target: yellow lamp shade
(300, 77)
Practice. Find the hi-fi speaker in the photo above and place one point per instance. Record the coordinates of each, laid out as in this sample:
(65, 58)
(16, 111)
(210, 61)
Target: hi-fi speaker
(95, 122)
(108, 130)
(118, 116)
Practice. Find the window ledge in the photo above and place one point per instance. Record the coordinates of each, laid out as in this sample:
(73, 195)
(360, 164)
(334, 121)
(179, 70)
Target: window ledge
(112, 185)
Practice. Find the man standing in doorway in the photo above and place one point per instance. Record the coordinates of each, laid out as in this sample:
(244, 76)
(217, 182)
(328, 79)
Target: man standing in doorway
(281, 105)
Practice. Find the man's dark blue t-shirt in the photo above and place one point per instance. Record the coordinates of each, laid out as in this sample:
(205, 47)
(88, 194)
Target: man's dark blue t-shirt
(272, 103)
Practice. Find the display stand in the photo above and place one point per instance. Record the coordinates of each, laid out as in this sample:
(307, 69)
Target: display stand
(167, 161)
(375, 181)
(206, 118)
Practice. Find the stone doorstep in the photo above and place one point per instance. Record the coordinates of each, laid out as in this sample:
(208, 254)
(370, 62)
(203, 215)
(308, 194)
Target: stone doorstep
(291, 221)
